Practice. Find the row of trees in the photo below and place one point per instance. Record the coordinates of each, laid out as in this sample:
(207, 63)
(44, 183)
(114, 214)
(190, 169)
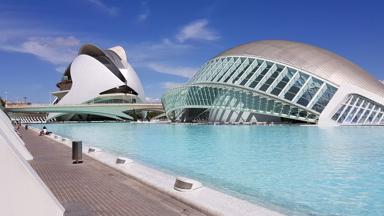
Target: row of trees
(2, 102)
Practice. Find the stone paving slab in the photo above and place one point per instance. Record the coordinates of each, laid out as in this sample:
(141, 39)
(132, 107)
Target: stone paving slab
(93, 188)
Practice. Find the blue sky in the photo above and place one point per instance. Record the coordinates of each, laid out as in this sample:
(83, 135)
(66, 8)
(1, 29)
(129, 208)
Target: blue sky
(167, 41)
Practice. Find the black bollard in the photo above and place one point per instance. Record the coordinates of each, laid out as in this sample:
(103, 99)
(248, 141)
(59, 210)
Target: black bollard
(77, 152)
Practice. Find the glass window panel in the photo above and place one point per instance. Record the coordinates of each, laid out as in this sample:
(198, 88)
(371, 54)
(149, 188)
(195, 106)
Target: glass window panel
(378, 117)
(295, 88)
(324, 99)
(358, 103)
(312, 89)
(233, 69)
(365, 116)
(272, 78)
(269, 81)
(226, 68)
(260, 76)
(263, 104)
(283, 82)
(246, 79)
(357, 116)
(211, 71)
(243, 71)
(303, 114)
(311, 116)
(278, 107)
(257, 103)
(286, 109)
(294, 111)
(270, 105)
(354, 98)
(342, 117)
(351, 114)
(337, 114)
(370, 118)
(219, 69)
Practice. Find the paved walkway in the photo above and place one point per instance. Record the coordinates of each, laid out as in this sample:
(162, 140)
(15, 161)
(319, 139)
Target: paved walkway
(93, 188)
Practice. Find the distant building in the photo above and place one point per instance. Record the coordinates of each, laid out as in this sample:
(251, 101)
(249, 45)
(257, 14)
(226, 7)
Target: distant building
(278, 81)
(98, 76)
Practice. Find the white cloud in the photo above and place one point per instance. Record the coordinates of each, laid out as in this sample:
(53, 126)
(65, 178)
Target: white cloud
(152, 100)
(197, 30)
(153, 55)
(141, 53)
(144, 12)
(113, 11)
(61, 69)
(169, 85)
(56, 50)
(187, 72)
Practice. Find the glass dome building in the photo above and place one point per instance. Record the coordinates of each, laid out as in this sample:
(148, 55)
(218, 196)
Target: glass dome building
(278, 81)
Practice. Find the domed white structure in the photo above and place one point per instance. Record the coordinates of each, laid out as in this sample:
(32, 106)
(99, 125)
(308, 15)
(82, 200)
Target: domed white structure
(274, 81)
(98, 76)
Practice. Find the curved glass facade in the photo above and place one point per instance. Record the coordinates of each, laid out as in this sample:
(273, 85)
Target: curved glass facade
(358, 110)
(254, 85)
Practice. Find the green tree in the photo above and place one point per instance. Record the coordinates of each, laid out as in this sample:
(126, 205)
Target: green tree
(2, 102)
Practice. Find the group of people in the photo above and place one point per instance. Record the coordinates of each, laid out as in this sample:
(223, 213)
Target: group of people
(44, 131)
(17, 128)
(17, 125)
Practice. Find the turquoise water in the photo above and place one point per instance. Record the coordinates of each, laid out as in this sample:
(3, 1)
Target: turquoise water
(296, 170)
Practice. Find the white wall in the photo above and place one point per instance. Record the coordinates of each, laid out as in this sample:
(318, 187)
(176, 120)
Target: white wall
(8, 132)
(325, 118)
(22, 192)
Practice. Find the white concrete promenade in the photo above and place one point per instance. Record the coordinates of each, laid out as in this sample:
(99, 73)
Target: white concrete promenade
(204, 198)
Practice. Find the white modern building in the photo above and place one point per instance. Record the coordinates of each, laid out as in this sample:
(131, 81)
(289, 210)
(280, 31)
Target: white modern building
(278, 81)
(98, 76)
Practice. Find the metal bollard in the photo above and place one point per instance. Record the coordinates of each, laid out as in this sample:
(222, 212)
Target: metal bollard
(77, 152)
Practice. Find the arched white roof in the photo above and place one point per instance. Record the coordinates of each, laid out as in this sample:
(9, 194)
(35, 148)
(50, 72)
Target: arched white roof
(315, 60)
(132, 79)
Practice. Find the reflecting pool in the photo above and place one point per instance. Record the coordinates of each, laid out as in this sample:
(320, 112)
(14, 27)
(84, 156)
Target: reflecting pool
(298, 170)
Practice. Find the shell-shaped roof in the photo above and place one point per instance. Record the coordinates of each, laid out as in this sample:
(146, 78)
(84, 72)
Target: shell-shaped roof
(315, 60)
(119, 60)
